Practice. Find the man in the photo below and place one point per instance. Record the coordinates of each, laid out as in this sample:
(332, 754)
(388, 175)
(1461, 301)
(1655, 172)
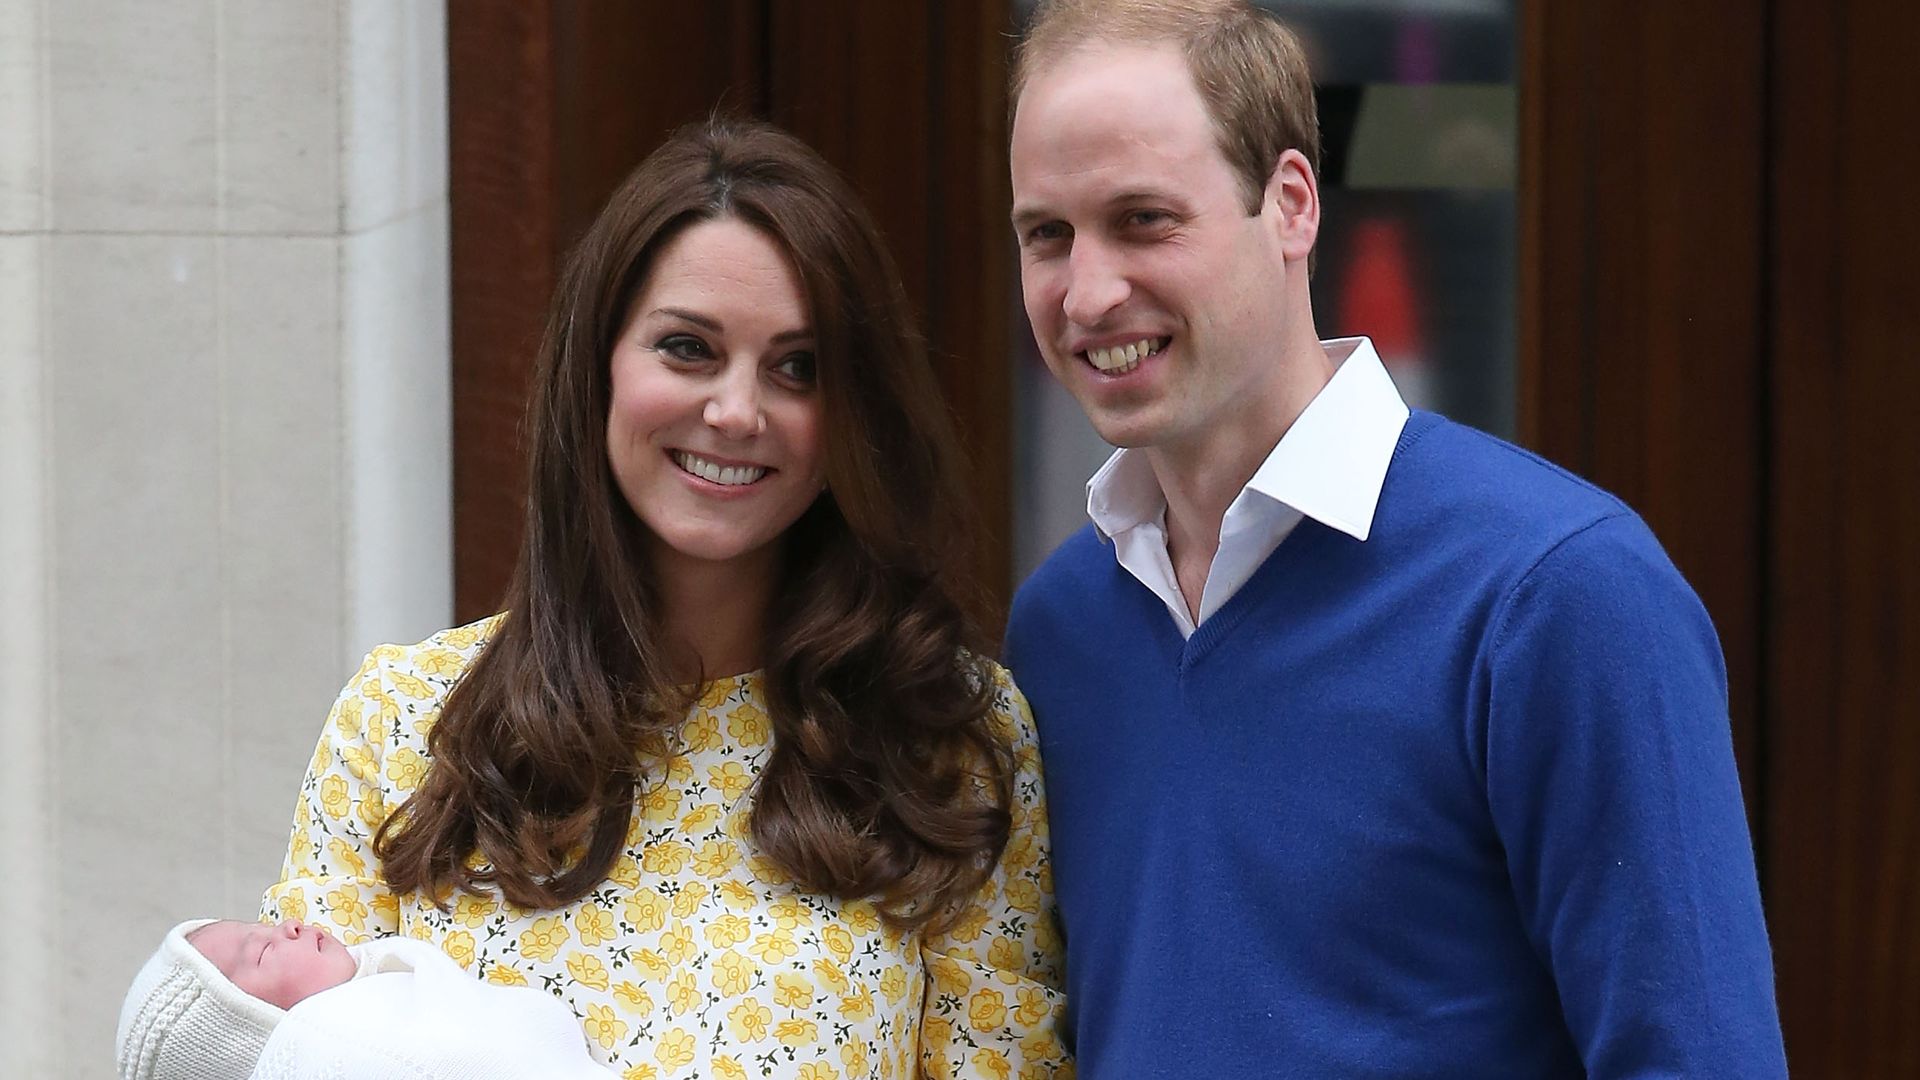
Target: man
(1375, 746)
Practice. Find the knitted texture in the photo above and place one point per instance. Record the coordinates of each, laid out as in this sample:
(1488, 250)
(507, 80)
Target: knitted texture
(1457, 801)
(183, 1020)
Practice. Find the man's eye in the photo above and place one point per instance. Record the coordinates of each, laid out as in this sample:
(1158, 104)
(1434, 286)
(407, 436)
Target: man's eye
(799, 367)
(683, 347)
(1046, 233)
(1147, 218)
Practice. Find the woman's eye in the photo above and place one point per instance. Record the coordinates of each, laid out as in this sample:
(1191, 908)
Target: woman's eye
(683, 347)
(798, 367)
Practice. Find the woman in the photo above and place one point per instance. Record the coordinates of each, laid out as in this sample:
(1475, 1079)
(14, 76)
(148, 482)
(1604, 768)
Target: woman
(729, 775)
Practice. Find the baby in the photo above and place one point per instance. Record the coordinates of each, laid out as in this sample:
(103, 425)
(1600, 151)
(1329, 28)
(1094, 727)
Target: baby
(225, 999)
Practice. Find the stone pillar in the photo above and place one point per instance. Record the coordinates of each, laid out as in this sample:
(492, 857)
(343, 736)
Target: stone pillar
(224, 453)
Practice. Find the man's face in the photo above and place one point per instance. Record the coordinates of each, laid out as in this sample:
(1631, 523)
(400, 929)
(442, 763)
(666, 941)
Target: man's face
(1153, 293)
(281, 965)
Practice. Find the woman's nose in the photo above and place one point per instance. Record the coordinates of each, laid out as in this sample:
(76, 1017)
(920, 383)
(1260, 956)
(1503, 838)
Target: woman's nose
(734, 408)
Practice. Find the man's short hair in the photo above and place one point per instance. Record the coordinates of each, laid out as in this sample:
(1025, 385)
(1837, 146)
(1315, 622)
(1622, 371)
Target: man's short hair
(1250, 69)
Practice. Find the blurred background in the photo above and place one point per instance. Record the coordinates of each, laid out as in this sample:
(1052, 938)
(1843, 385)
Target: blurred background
(272, 273)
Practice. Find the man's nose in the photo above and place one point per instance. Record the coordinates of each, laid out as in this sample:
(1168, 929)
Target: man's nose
(1095, 284)
(734, 407)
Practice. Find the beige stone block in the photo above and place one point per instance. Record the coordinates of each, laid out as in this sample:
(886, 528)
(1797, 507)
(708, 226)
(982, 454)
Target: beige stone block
(131, 123)
(22, 164)
(280, 118)
(398, 421)
(394, 136)
(283, 571)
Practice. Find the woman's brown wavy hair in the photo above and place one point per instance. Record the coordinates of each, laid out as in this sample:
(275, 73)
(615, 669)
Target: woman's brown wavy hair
(888, 777)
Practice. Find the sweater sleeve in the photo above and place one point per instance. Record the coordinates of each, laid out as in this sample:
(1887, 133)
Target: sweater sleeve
(1611, 779)
(993, 995)
(331, 876)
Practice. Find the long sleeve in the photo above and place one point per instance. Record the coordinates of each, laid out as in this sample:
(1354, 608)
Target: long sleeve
(331, 876)
(1611, 778)
(993, 999)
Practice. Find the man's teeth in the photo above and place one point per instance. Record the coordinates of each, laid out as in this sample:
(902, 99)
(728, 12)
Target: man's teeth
(719, 474)
(1121, 359)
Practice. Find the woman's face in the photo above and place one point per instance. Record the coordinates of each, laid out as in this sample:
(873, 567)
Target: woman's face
(714, 431)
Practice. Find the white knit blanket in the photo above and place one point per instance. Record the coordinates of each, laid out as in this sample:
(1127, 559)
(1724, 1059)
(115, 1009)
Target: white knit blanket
(413, 1014)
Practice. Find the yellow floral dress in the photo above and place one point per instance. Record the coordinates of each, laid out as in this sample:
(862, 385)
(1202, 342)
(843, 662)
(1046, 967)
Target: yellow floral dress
(697, 957)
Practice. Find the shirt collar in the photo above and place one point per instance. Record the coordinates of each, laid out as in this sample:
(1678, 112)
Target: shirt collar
(1329, 466)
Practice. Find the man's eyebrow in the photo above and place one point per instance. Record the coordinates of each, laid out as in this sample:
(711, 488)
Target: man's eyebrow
(708, 322)
(1024, 216)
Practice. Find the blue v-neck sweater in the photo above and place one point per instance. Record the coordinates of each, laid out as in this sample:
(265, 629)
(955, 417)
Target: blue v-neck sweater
(1455, 801)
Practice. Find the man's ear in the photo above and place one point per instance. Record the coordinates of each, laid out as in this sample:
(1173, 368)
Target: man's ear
(1292, 197)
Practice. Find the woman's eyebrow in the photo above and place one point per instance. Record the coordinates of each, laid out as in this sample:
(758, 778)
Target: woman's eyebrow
(708, 322)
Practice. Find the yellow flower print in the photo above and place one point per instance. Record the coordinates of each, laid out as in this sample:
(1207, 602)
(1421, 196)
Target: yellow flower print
(740, 825)
(838, 942)
(459, 946)
(774, 946)
(935, 1031)
(417, 689)
(346, 859)
(347, 909)
(1040, 1046)
(1021, 853)
(646, 910)
(642, 1071)
(797, 1032)
(385, 907)
(728, 931)
(594, 924)
(442, 662)
(749, 725)
(1004, 954)
(423, 723)
(767, 872)
(679, 771)
(857, 1005)
(384, 654)
(675, 1049)
(715, 857)
(603, 1027)
(588, 971)
(665, 857)
(651, 962)
(736, 894)
(543, 939)
(406, 768)
(661, 803)
(677, 943)
(464, 637)
(1024, 895)
(948, 976)
(748, 1021)
(634, 999)
(334, 800)
(687, 900)
(854, 1056)
(987, 1009)
(372, 809)
(830, 975)
(990, 1062)
(790, 913)
(893, 983)
(360, 764)
(1034, 1006)
(715, 693)
(625, 873)
(818, 1070)
(792, 991)
(472, 911)
(728, 1068)
(732, 974)
(1045, 938)
(389, 709)
(729, 779)
(969, 925)
(860, 917)
(293, 906)
(701, 817)
(502, 975)
(348, 719)
(683, 992)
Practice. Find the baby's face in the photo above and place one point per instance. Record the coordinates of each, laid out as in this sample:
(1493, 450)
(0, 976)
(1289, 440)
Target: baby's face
(281, 964)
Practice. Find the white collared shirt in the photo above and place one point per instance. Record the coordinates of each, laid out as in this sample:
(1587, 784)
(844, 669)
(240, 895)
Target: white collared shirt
(1329, 466)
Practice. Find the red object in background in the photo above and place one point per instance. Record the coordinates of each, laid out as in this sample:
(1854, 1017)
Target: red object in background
(1377, 294)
